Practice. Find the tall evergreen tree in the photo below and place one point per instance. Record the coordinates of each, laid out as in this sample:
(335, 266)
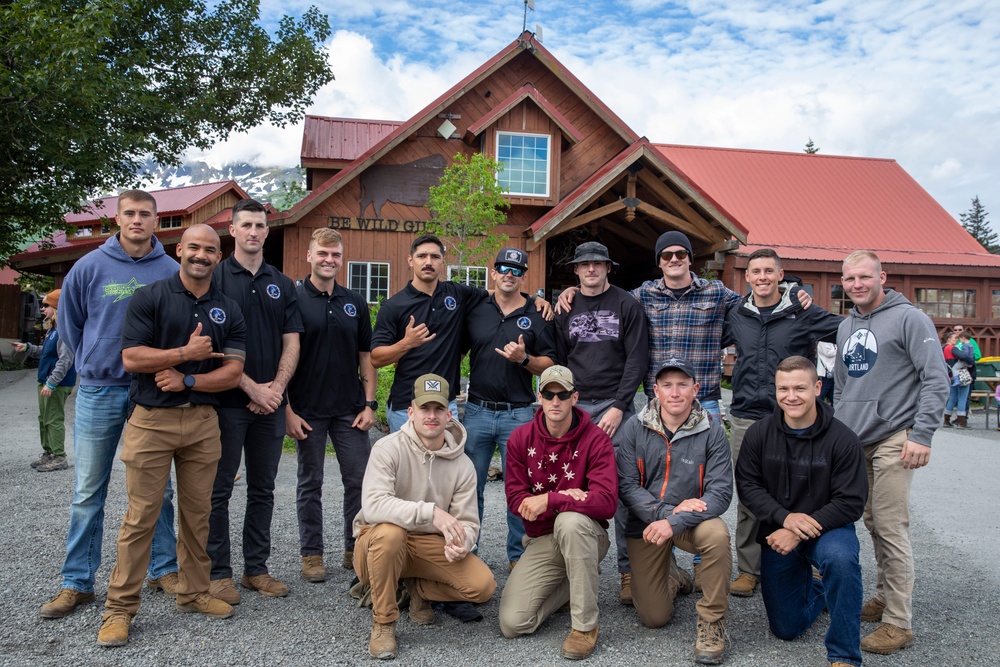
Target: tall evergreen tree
(811, 148)
(976, 222)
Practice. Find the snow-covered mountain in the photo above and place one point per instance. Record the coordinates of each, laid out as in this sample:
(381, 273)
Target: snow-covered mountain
(260, 182)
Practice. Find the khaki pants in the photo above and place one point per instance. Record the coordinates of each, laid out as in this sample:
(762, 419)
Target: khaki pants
(385, 553)
(747, 548)
(155, 438)
(887, 517)
(654, 590)
(555, 569)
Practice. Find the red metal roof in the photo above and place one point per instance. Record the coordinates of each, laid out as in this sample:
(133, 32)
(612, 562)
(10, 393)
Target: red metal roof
(342, 139)
(822, 207)
(174, 201)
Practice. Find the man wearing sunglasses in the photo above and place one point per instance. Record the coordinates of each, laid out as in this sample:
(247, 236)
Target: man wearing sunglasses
(561, 480)
(511, 342)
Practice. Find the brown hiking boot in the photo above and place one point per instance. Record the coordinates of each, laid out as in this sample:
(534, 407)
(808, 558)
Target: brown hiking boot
(886, 639)
(947, 421)
(961, 421)
(743, 586)
(54, 463)
(114, 629)
(578, 644)
(871, 611)
(347, 562)
(265, 584)
(204, 603)
(697, 577)
(382, 643)
(167, 583)
(44, 458)
(685, 585)
(224, 590)
(313, 569)
(626, 594)
(711, 642)
(421, 612)
(62, 604)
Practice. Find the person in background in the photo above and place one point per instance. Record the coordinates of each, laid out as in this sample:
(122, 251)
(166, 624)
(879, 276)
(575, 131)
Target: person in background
(826, 358)
(958, 358)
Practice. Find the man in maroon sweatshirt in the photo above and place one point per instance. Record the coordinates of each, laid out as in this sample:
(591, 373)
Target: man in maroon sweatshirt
(562, 481)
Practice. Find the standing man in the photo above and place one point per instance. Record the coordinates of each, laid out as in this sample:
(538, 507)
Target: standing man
(184, 340)
(511, 343)
(766, 327)
(802, 473)
(333, 395)
(603, 339)
(891, 387)
(675, 495)
(561, 481)
(252, 416)
(95, 294)
(418, 518)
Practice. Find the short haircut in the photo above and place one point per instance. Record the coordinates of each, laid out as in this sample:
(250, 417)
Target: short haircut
(136, 195)
(965, 334)
(762, 253)
(798, 363)
(248, 205)
(327, 237)
(426, 238)
(860, 256)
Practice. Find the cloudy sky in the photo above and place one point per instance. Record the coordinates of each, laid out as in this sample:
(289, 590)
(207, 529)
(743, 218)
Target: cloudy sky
(915, 81)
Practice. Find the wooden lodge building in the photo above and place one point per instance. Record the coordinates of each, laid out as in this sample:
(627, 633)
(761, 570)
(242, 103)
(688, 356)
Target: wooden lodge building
(576, 172)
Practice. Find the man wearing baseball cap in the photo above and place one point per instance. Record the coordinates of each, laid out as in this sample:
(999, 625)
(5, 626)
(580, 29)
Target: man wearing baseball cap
(675, 495)
(418, 519)
(561, 480)
(510, 343)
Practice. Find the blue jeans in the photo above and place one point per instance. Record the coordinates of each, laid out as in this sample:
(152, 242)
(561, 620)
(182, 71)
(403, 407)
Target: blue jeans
(712, 406)
(958, 397)
(397, 418)
(100, 416)
(487, 429)
(793, 599)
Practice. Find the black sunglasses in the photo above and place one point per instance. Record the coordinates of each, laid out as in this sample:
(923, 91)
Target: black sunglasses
(504, 270)
(549, 395)
(679, 254)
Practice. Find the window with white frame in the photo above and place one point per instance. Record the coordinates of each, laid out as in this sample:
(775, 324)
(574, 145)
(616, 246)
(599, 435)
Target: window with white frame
(526, 161)
(369, 279)
(468, 275)
(170, 222)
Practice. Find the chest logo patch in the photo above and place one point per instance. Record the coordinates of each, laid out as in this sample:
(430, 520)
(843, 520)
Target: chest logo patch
(524, 323)
(274, 291)
(860, 353)
(350, 309)
(218, 315)
(450, 303)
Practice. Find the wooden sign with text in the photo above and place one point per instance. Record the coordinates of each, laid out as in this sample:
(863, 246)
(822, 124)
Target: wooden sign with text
(377, 224)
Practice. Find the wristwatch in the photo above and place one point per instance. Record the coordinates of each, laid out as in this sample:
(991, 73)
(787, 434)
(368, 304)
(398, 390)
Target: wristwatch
(189, 381)
(524, 362)
(372, 404)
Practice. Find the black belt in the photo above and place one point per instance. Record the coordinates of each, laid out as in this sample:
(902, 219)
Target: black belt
(490, 405)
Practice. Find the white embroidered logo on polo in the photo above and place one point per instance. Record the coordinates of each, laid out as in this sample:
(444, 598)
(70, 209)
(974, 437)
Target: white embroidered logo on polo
(273, 291)
(350, 309)
(217, 315)
(450, 303)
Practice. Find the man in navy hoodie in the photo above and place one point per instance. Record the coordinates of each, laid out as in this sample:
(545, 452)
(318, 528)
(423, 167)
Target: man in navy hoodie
(802, 474)
(95, 296)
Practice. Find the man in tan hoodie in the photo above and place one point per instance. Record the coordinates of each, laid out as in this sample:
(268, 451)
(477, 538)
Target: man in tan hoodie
(419, 518)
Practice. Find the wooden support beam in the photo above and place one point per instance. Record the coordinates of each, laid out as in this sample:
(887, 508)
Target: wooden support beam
(629, 233)
(663, 191)
(671, 219)
(588, 216)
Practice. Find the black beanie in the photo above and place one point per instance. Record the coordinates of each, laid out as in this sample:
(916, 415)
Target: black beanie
(668, 239)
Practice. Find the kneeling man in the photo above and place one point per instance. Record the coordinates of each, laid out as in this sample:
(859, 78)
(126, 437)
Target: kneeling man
(675, 495)
(802, 474)
(561, 480)
(419, 518)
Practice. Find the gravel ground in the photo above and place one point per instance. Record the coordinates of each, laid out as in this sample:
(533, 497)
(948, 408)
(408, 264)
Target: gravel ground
(320, 624)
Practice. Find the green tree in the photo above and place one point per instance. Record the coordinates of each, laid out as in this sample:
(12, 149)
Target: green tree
(466, 205)
(289, 193)
(976, 222)
(811, 148)
(90, 88)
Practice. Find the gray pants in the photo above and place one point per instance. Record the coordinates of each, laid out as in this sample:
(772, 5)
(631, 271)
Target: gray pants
(747, 549)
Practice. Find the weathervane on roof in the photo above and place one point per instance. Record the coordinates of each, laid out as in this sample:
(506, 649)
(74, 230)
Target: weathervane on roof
(530, 4)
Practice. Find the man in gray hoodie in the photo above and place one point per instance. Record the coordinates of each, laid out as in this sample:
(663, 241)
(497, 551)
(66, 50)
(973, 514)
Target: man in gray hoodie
(891, 384)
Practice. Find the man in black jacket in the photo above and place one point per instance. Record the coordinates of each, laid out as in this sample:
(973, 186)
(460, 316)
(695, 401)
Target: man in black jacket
(766, 327)
(802, 474)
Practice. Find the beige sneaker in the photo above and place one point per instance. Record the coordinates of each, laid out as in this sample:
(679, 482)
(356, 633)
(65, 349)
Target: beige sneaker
(382, 643)
(204, 603)
(886, 639)
(579, 645)
(421, 612)
(224, 590)
(743, 586)
(265, 584)
(626, 594)
(710, 644)
(62, 604)
(114, 629)
(167, 583)
(871, 611)
(347, 562)
(313, 569)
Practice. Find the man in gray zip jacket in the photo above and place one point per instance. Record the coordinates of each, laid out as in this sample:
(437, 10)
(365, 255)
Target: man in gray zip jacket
(675, 495)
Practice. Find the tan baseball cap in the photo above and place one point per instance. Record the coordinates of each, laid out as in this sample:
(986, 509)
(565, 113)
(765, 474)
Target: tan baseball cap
(561, 375)
(430, 388)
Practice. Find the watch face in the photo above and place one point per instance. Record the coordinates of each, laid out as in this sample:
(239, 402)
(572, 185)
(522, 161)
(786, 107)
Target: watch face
(189, 381)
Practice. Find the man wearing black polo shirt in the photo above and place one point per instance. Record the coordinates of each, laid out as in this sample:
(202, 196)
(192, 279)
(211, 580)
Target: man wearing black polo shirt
(511, 342)
(183, 340)
(251, 416)
(333, 395)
